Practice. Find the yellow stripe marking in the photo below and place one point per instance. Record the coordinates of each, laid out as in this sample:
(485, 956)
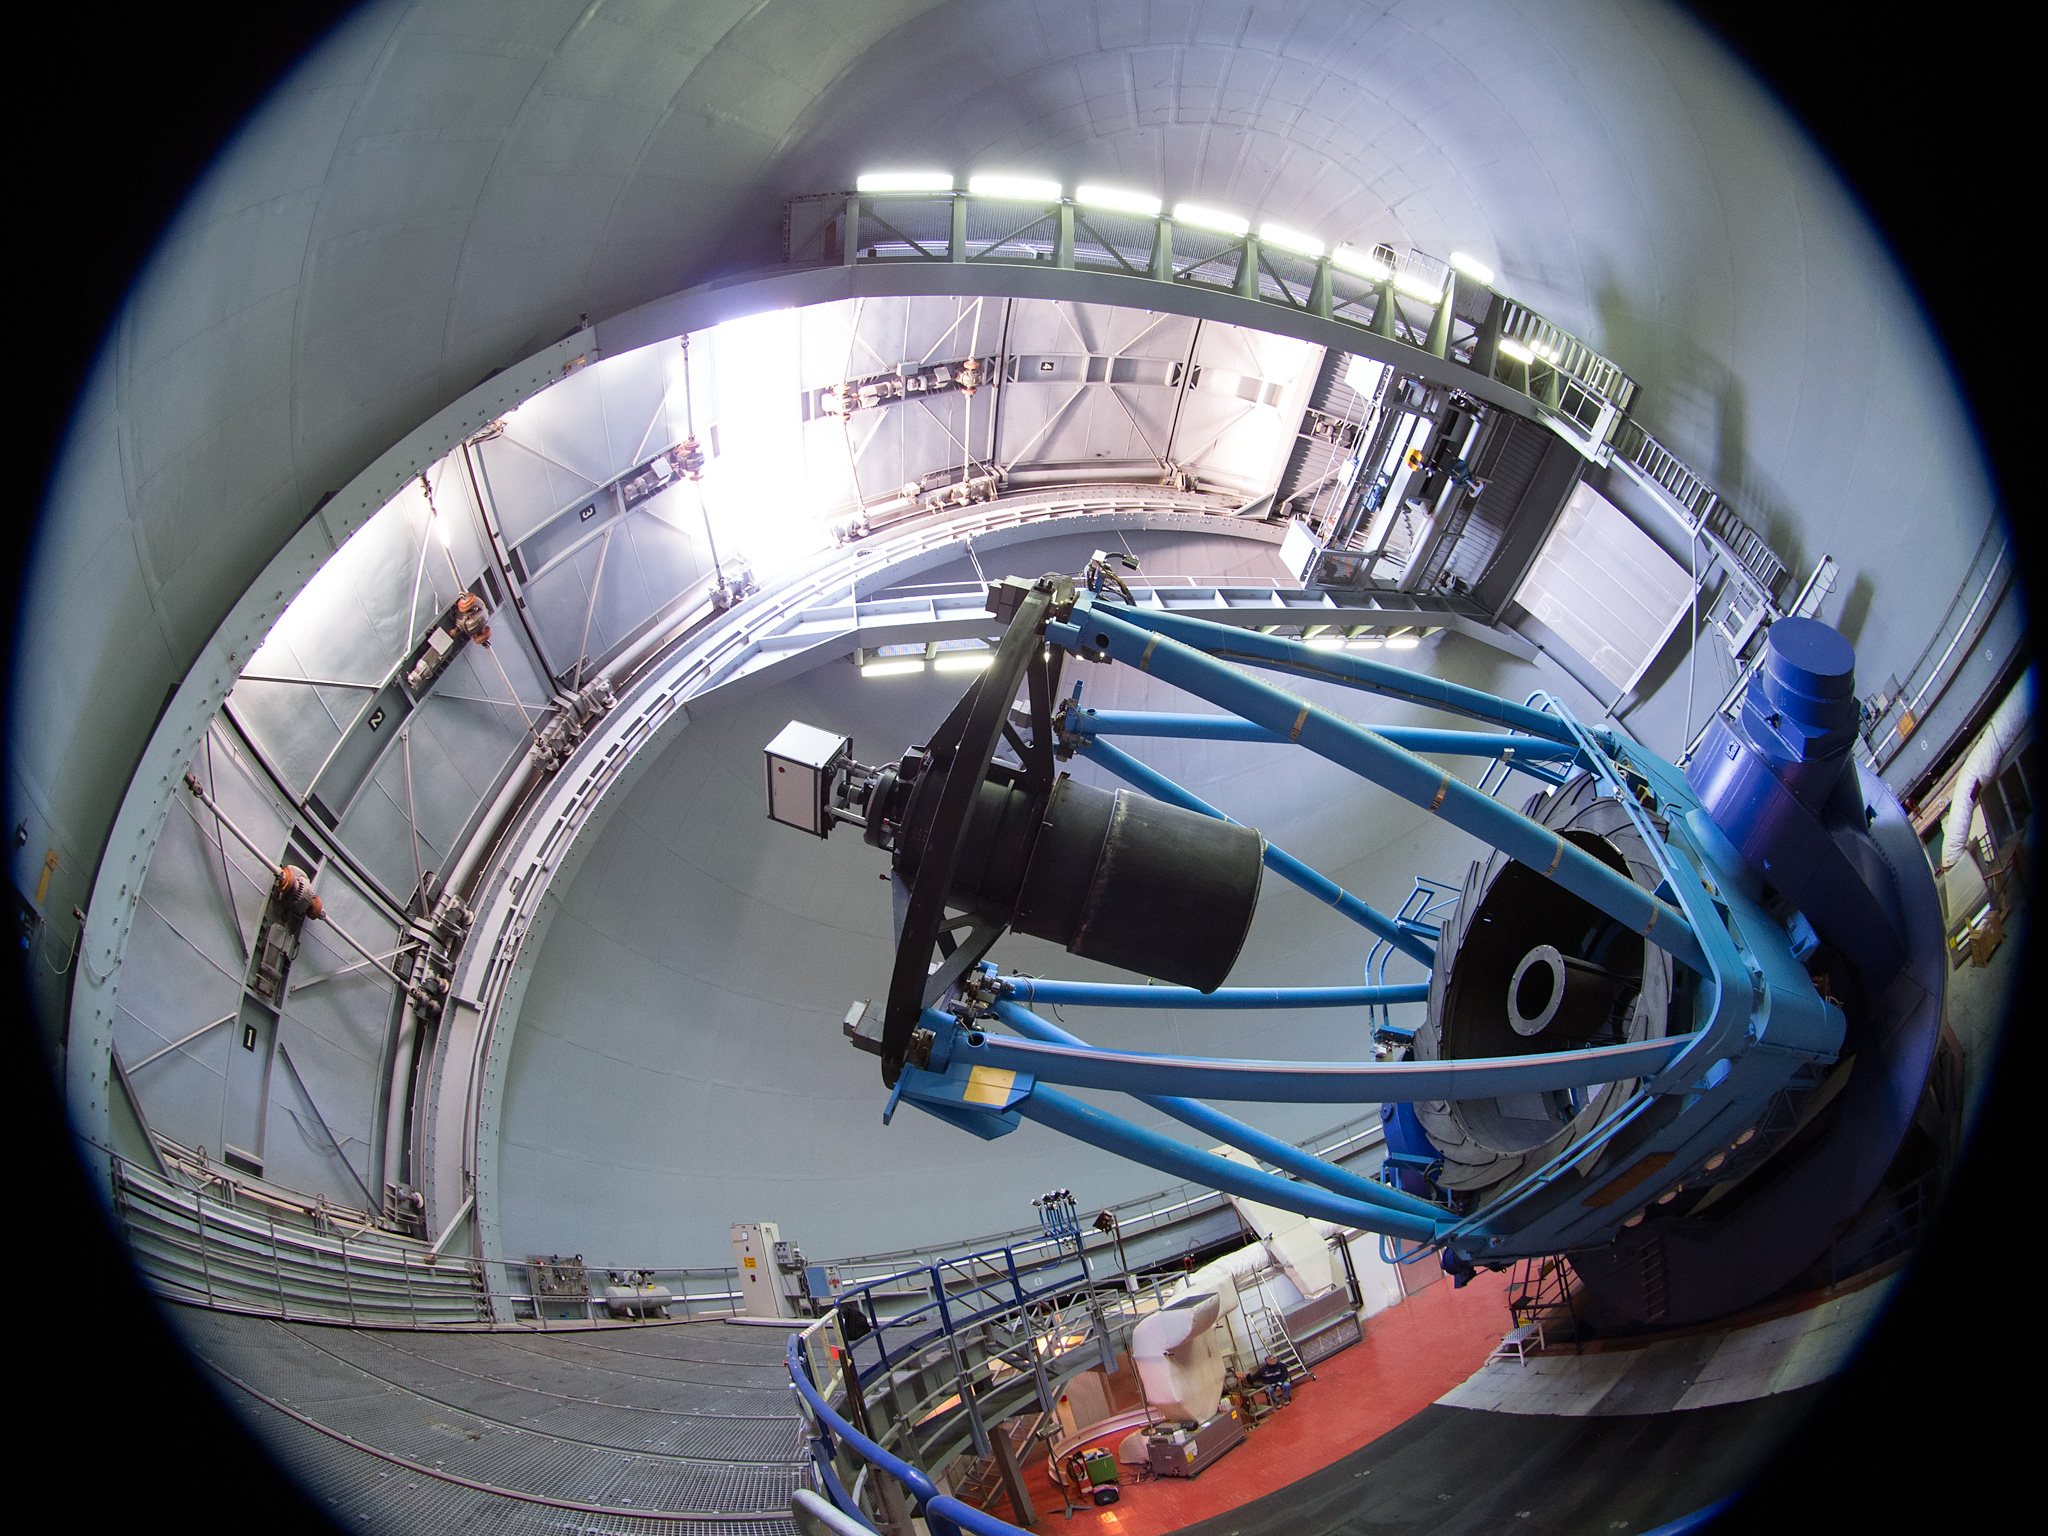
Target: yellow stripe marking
(989, 1085)
(1299, 721)
(1441, 790)
(1653, 920)
(1145, 661)
(1627, 1180)
(1556, 858)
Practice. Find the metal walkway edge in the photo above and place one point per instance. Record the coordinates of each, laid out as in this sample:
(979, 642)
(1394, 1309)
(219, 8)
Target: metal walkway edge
(411, 1433)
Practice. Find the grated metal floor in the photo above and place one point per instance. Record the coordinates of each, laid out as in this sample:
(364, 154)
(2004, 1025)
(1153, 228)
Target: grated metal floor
(400, 1432)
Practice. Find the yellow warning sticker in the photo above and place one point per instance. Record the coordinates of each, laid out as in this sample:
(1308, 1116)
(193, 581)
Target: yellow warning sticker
(989, 1085)
(750, 1263)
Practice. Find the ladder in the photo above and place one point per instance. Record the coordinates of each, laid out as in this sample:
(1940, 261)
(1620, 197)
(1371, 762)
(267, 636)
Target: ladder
(1656, 1290)
(1270, 1340)
(1419, 913)
(979, 1480)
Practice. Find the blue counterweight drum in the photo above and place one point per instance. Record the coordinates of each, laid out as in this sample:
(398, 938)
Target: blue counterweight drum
(1833, 853)
(1677, 1023)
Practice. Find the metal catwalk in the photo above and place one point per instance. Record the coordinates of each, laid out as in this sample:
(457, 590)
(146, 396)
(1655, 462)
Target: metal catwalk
(650, 1430)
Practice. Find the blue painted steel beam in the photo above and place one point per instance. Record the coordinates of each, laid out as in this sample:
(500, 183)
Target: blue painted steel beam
(1280, 1154)
(1088, 994)
(1120, 722)
(1311, 1082)
(1083, 1122)
(1420, 783)
(1338, 667)
(1278, 860)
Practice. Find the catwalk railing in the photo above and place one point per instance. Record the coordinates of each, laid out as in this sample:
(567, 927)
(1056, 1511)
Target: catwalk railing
(213, 1237)
(1136, 1218)
(917, 1387)
(894, 1406)
(1409, 303)
(235, 1251)
(1414, 301)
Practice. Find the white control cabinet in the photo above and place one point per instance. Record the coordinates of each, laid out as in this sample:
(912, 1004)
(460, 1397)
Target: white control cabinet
(764, 1288)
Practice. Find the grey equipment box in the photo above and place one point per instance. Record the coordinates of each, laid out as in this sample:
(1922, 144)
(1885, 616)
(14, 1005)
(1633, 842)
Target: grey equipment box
(801, 763)
(1322, 1325)
(1185, 1452)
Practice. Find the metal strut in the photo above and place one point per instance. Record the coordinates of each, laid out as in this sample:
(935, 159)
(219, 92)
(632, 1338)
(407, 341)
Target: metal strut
(1695, 1086)
(1095, 629)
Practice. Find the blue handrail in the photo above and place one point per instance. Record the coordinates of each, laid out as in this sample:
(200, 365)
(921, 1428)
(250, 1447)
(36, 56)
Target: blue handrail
(1006, 1291)
(945, 1515)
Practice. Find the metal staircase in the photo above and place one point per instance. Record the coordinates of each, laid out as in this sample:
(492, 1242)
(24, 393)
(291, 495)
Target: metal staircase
(1271, 1341)
(979, 1479)
(959, 1351)
(1420, 913)
(1656, 1288)
(1540, 1293)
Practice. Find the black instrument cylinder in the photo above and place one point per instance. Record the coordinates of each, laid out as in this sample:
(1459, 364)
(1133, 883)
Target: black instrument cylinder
(1112, 875)
(1143, 885)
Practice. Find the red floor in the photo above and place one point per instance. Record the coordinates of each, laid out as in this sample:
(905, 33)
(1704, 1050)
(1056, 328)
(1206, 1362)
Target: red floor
(1410, 1356)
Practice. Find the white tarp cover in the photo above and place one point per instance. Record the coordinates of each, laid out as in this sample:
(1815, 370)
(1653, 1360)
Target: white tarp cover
(1606, 588)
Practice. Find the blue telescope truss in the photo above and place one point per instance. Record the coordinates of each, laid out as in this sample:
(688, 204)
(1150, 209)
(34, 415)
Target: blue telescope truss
(1752, 1031)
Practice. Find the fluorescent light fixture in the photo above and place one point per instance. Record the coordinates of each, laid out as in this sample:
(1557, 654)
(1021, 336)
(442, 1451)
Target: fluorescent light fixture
(1029, 189)
(1325, 643)
(963, 661)
(1512, 348)
(1363, 263)
(1403, 642)
(1211, 218)
(1116, 200)
(1473, 268)
(1290, 239)
(891, 668)
(905, 181)
(1418, 288)
(1367, 643)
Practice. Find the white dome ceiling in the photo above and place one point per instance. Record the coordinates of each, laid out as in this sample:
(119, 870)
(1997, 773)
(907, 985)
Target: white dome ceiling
(440, 189)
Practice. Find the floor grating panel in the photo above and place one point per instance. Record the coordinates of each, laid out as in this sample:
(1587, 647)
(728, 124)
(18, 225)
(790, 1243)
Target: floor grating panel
(543, 1422)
